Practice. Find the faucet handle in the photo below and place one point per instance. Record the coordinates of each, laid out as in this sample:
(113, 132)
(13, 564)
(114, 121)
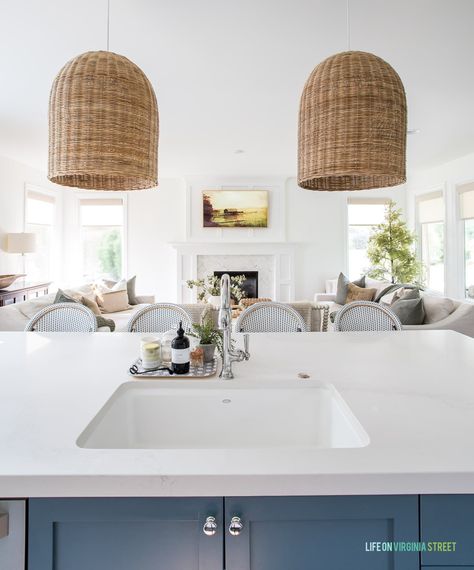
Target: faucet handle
(246, 346)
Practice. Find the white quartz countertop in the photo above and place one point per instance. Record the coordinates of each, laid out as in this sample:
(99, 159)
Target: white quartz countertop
(412, 391)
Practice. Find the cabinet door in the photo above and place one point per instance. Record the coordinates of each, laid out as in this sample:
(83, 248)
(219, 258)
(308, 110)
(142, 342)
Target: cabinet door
(124, 534)
(321, 533)
(448, 518)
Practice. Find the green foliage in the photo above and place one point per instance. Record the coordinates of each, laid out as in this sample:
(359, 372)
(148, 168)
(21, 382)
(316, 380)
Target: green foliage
(110, 254)
(211, 285)
(391, 250)
(207, 333)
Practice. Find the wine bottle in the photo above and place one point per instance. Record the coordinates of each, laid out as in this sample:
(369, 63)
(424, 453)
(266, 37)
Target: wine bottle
(180, 352)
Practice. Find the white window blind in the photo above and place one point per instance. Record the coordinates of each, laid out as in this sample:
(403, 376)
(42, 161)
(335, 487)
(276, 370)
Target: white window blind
(430, 208)
(466, 201)
(39, 208)
(368, 212)
(101, 212)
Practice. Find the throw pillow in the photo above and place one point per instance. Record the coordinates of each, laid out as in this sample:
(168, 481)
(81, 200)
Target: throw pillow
(342, 287)
(355, 293)
(132, 296)
(120, 285)
(113, 302)
(62, 297)
(410, 309)
(103, 322)
(91, 304)
(379, 284)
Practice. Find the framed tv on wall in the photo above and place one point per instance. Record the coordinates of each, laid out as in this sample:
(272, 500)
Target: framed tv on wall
(235, 208)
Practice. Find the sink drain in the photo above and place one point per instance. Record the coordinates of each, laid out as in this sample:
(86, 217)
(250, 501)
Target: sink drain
(226, 401)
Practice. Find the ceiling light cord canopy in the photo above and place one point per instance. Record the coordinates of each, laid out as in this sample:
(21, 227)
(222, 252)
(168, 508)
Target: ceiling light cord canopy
(103, 124)
(352, 124)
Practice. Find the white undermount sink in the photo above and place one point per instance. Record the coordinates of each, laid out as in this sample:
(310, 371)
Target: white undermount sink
(142, 415)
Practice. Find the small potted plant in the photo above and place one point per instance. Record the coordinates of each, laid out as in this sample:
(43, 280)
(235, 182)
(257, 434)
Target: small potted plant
(209, 337)
(209, 289)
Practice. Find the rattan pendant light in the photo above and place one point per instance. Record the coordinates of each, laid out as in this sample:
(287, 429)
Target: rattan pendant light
(103, 125)
(352, 125)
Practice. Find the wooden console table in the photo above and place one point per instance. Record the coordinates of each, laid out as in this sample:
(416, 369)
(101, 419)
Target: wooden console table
(22, 291)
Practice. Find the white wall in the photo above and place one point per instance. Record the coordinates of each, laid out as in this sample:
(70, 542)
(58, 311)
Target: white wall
(13, 177)
(317, 222)
(445, 177)
(155, 218)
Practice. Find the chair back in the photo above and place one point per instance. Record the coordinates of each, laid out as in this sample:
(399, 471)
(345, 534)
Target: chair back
(366, 316)
(159, 318)
(63, 317)
(270, 317)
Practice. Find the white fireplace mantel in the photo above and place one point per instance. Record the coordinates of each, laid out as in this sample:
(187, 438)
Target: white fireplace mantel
(274, 261)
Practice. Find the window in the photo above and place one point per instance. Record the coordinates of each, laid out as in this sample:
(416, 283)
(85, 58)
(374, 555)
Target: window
(102, 238)
(430, 212)
(466, 211)
(40, 214)
(363, 218)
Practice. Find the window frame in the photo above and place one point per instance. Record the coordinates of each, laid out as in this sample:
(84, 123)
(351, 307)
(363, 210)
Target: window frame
(362, 201)
(438, 192)
(461, 240)
(57, 246)
(104, 196)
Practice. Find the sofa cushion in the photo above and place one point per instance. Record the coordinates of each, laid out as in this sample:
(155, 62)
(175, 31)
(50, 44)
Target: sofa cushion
(437, 308)
(342, 287)
(355, 293)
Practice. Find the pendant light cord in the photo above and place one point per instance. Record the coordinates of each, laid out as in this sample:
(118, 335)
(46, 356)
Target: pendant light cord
(108, 25)
(348, 24)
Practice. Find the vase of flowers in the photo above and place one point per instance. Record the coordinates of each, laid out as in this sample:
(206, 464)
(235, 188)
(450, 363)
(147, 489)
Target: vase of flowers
(209, 288)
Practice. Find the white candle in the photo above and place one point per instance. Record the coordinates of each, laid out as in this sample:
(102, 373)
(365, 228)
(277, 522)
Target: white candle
(150, 352)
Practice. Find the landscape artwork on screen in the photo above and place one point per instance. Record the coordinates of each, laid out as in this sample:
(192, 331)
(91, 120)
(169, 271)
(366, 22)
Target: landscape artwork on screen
(235, 208)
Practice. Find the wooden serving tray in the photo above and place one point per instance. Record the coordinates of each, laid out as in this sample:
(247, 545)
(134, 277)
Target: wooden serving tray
(209, 369)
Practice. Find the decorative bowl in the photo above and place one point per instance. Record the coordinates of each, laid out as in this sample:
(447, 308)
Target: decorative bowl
(7, 280)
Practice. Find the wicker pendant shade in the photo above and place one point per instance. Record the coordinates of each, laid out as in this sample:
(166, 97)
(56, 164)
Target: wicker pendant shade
(103, 125)
(352, 125)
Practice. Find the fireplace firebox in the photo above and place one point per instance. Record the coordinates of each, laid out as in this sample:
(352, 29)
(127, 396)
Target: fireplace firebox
(250, 285)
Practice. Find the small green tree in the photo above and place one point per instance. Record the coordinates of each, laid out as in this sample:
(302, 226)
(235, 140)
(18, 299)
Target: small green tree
(391, 250)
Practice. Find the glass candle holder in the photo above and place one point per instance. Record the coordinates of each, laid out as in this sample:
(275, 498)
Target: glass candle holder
(197, 357)
(150, 352)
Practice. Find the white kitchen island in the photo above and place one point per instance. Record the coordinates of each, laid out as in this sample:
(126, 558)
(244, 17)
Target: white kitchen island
(412, 392)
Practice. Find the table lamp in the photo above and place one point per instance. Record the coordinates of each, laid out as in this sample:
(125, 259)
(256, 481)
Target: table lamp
(22, 243)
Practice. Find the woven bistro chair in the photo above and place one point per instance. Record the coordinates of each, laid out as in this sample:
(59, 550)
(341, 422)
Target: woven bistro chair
(160, 317)
(270, 317)
(366, 316)
(63, 317)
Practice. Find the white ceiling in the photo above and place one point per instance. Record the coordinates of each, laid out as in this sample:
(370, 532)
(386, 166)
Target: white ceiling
(228, 75)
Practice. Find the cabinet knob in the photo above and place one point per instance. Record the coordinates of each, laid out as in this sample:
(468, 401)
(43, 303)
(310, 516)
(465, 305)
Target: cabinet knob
(236, 526)
(210, 526)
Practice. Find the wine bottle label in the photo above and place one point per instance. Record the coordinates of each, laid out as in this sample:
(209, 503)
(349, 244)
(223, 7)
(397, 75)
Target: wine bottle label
(180, 355)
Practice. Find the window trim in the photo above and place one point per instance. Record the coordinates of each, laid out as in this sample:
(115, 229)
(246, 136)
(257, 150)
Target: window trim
(350, 200)
(57, 249)
(436, 192)
(460, 238)
(106, 197)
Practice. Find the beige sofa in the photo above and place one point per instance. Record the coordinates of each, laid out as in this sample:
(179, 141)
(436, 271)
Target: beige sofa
(15, 317)
(441, 313)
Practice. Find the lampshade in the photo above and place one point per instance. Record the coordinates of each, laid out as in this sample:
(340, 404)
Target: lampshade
(352, 125)
(21, 243)
(103, 125)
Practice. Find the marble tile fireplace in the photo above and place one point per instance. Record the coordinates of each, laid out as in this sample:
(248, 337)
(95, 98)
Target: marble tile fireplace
(274, 263)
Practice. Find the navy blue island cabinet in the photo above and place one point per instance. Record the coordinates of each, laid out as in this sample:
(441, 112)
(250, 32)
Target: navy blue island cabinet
(252, 533)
